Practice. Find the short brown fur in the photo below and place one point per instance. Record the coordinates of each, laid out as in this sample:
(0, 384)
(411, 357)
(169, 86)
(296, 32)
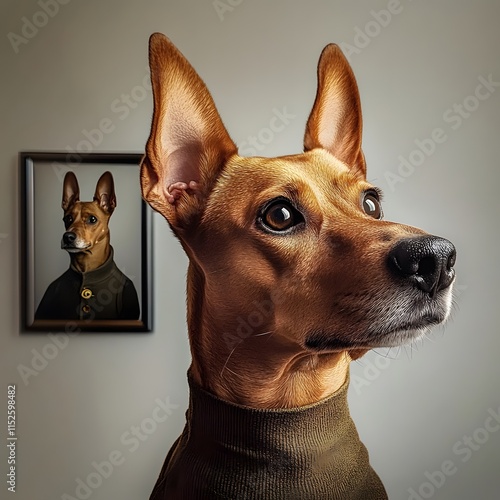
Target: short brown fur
(325, 281)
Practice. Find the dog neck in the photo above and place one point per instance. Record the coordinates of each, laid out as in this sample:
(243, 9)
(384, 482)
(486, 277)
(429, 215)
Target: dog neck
(239, 452)
(258, 371)
(269, 375)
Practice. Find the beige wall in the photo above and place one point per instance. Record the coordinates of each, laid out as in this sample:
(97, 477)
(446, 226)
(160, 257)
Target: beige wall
(432, 144)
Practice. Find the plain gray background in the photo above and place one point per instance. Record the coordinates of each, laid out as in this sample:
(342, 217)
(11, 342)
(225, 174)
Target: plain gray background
(422, 409)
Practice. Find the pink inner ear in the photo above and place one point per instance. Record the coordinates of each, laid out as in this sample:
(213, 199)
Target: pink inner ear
(331, 119)
(104, 201)
(183, 167)
(183, 164)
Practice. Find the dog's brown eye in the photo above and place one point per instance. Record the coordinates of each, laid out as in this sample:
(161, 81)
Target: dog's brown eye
(280, 216)
(91, 219)
(68, 220)
(371, 204)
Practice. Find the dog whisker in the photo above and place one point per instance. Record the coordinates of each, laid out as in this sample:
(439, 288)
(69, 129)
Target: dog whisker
(427, 337)
(387, 354)
(410, 349)
(270, 332)
(233, 372)
(262, 334)
(228, 358)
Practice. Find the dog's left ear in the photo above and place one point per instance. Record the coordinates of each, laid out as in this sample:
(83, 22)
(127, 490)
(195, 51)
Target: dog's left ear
(188, 144)
(335, 122)
(71, 191)
(105, 192)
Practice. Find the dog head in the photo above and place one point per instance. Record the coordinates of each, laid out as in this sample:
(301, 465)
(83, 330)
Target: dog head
(86, 222)
(294, 245)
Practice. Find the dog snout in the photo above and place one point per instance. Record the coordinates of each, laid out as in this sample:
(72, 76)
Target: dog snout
(69, 238)
(426, 261)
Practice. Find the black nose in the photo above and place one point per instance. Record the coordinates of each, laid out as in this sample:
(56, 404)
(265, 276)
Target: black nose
(69, 238)
(427, 261)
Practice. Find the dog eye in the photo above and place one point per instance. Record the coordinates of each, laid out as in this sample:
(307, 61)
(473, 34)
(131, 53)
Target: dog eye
(91, 219)
(68, 220)
(371, 204)
(280, 216)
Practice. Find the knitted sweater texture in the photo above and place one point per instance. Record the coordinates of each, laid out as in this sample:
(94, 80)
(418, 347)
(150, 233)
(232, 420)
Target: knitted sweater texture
(227, 451)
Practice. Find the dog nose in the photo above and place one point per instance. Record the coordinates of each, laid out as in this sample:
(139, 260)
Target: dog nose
(427, 261)
(69, 238)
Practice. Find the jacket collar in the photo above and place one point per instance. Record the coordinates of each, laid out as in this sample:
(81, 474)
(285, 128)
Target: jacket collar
(101, 273)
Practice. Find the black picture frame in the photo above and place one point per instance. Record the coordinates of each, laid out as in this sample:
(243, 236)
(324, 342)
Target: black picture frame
(42, 258)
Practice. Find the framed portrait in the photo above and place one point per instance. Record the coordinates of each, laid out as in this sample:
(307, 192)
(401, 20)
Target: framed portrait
(85, 243)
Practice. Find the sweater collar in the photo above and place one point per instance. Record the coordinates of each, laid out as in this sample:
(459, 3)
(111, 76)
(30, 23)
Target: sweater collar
(224, 421)
(312, 451)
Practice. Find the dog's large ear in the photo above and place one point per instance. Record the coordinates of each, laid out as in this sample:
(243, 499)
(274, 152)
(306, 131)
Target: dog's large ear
(105, 192)
(335, 122)
(188, 144)
(71, 191)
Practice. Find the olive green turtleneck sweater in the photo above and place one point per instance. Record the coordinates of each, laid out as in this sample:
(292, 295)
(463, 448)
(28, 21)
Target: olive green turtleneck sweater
(227, 451)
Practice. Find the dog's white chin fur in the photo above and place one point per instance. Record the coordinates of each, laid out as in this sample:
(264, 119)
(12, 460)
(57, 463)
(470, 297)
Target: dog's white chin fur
(404, 336)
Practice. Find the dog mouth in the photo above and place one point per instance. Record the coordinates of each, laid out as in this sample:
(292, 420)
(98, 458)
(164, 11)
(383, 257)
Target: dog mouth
(397, 327)
(74, 249)
(324, 341)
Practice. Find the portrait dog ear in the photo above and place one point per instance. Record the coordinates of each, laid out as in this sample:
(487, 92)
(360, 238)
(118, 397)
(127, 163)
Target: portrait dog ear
(71, 191)
(105, 193)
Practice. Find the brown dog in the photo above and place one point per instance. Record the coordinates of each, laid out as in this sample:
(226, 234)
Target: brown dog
(93, 287)
(293, 274)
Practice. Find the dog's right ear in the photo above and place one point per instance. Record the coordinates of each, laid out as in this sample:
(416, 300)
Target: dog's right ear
(188, 144)
(71, 191)
(335, 122)
(105, 193)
